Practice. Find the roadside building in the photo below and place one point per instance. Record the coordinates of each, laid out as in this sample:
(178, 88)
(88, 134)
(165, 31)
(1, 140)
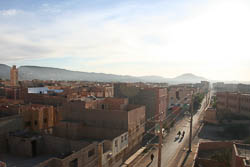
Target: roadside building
(153, 98)
(210, 116)
(218, 154)
(112, 116)
(233, 103)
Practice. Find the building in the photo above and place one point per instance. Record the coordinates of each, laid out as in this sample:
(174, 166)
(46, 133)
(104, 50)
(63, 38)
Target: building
(113, 116)
(153, 98)
(38, 117)
(9, 122)
(210, 116)
(219, 154)
(45, 99)
(179, 95)
(240, 88)
(244, 88)
(14, 76)
(81, 139)
(233, 103)
(46, 150)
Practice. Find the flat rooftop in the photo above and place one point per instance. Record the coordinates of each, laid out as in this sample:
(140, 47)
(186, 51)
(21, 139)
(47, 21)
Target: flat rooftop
(14, 161)
(20, 161)
(23, 134)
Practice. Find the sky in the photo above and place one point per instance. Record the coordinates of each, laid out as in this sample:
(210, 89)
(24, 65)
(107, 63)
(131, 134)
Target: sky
(209, 38)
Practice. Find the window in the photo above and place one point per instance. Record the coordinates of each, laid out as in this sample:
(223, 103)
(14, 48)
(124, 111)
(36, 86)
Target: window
(125, 138)
(122, 139)
(103, 106)
(35, 122)
(45, 120)
(116, 143)
(91, 153)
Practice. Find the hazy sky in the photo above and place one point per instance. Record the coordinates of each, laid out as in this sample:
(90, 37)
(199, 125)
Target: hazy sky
(210, 38)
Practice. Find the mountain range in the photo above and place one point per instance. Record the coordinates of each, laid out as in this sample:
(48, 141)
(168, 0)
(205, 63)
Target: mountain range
(48, 73)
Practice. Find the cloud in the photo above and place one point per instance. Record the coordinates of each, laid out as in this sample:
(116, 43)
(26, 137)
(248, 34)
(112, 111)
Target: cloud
(161, 38)
(9, 12)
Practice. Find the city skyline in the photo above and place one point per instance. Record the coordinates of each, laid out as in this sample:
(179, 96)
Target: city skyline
(137, 38)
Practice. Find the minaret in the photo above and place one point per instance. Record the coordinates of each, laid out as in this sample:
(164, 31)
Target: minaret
(14, 76)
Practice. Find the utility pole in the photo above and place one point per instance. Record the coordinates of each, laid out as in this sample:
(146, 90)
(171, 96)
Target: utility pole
(160, 140)
(100, 152)
(191, 125)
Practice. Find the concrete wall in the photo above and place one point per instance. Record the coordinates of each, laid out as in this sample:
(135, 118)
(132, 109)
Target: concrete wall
(154, 99)
(22, 146)
(43, 99)
(9, 124)
(208, 163)
(233, 102)
(100, 118)
(136, 126)
(113, 104)
(38, 117)
(205, 147)
(58, 145)
(214, 145)
(86, 156)
(210, 116)
(78, 130)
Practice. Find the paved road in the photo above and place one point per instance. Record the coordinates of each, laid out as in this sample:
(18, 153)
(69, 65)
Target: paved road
(172, 146)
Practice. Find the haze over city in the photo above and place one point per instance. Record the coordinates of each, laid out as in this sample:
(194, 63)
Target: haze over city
(135, 83)
(166, 38)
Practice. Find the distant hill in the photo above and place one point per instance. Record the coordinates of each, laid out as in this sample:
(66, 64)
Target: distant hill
(188, 78)
(154, 78)
(48, 73)
(4, 71)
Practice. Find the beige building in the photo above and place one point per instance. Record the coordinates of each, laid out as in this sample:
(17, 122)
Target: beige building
(210, 154)
(14, 76)
(233, 103)
(38, 117)
(210, 116)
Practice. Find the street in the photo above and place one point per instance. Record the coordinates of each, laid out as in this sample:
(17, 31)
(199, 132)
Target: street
(173, 145)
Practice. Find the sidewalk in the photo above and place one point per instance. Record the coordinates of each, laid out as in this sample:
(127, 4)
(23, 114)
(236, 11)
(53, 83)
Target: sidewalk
(145, 161)
(188, 158)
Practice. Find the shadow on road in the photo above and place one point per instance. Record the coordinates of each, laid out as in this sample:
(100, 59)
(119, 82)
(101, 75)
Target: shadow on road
(185, 159)
(181, 139)
(149, 164)
(176, 138)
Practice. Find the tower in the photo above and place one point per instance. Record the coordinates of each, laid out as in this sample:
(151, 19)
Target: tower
(13, 76)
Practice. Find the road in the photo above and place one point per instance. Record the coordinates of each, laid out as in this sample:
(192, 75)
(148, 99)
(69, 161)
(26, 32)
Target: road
(172, 146)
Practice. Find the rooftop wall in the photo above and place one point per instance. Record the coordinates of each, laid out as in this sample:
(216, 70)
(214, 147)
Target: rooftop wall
(9, 124)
